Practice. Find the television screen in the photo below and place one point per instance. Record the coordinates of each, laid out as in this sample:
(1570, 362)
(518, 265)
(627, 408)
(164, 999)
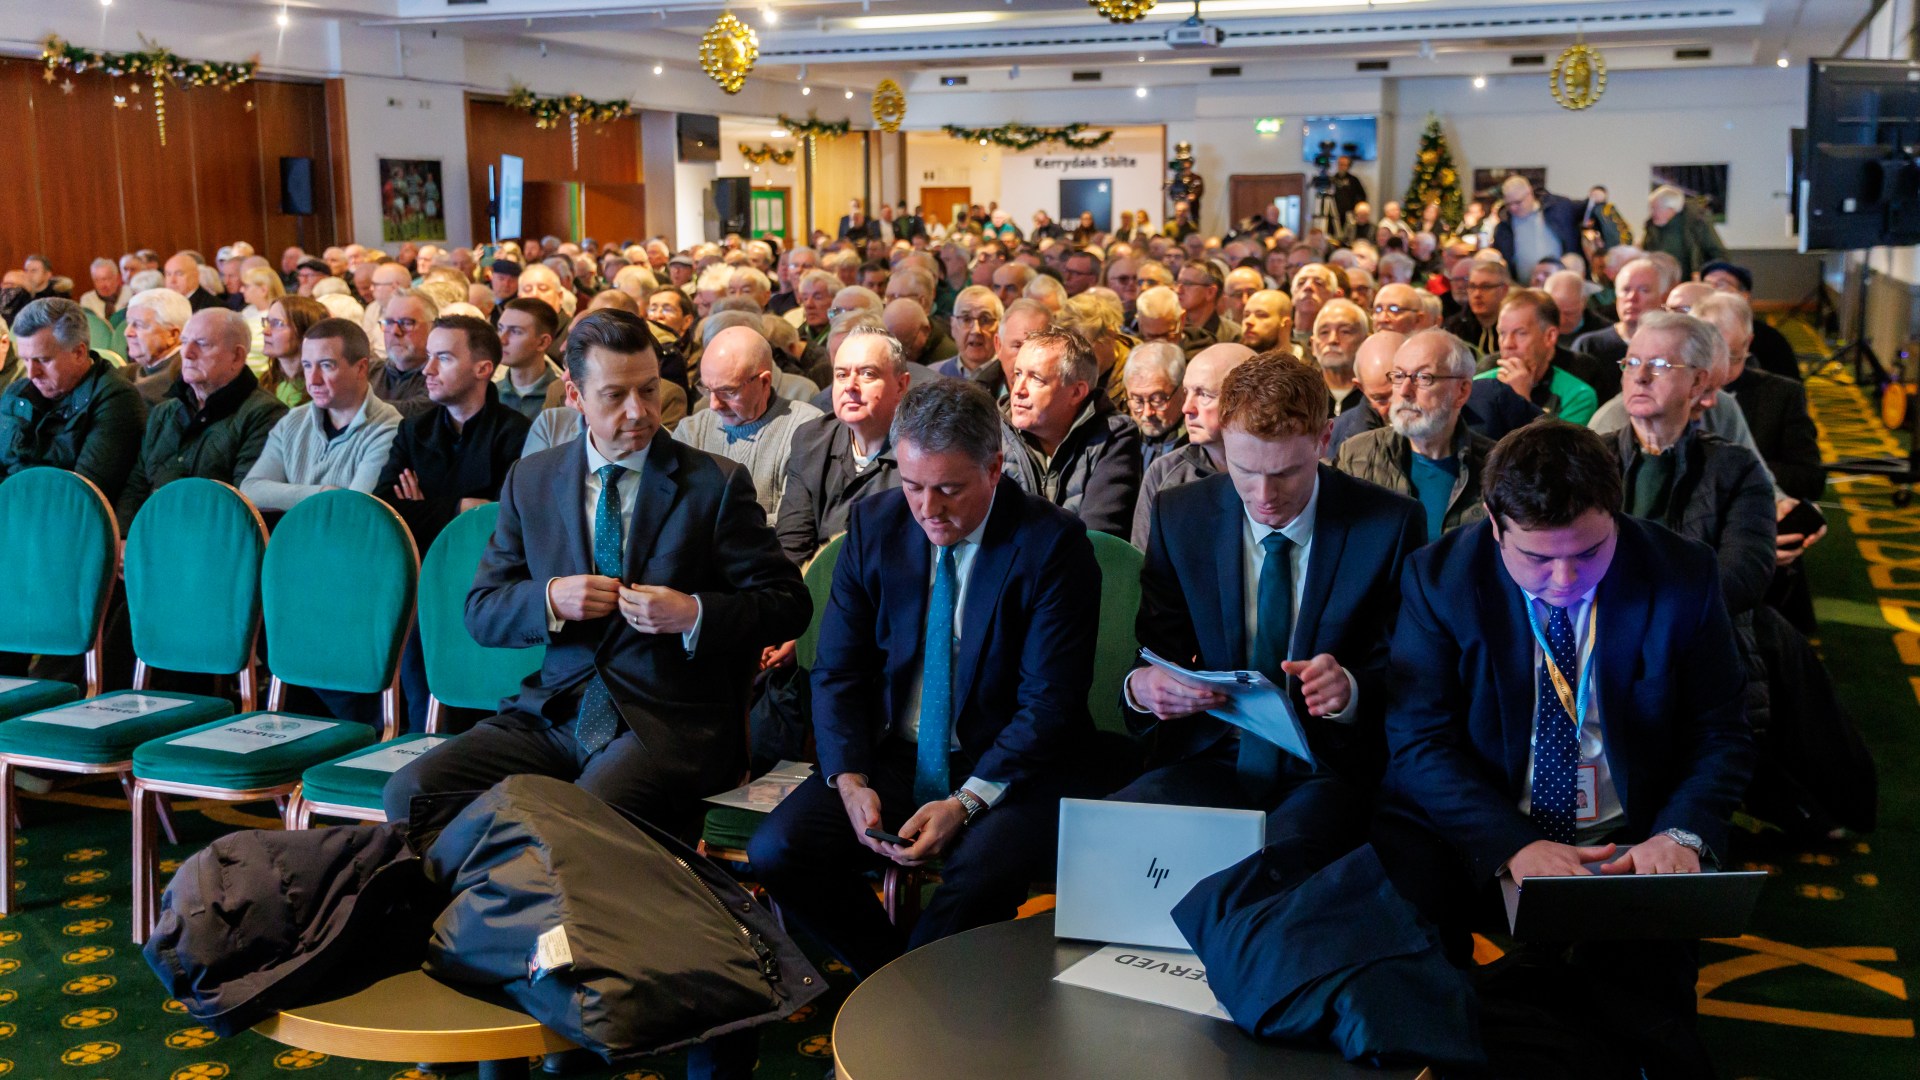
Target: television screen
(1340, 131)
(699, 137)
(511, 196)
(1860, 179)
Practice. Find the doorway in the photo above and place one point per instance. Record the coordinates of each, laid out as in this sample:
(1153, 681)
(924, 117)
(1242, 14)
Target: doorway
(770, 211)
(937, 203)
(1086, 197)
(1248, 195)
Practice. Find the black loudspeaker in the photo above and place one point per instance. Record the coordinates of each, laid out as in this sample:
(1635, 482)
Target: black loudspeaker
(296, 185)
(733, 204)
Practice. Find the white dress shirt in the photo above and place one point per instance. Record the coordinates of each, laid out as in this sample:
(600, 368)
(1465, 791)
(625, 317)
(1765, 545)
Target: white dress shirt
(1593, 737)
(635, 466)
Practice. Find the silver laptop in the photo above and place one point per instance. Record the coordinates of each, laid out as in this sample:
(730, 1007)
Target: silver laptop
(1124, 865)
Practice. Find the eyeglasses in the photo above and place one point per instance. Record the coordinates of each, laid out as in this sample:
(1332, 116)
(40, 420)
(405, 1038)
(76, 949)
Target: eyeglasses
(1195, 284)
(1151, 401)
(404, 326)
(974, 318)
(1421, 379)
(272, 323)
(1392, 309)
(1659, 365)
(1485, 286)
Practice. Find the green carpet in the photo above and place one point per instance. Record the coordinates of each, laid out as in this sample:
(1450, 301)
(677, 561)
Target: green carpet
(1817, 990)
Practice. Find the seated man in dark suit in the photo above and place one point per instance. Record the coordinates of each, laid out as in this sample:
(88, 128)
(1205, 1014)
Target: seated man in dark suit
(1240, 573)
(647, 569)
(1635, 699)
(956, 654)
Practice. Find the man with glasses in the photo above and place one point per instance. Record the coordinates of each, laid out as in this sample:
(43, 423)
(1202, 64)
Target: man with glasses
(1313, 285)
(1337, 333)
(1398, 308)
(1199, 289)
(1200, 411)
(976, 326)
(745, 421)
(1427, 452)
(1487, 286)
(1080, 272)
(1529, 336)
(389, 278)
(406, 320)
(1155, 398)
(1124, 279)
(1242, 282)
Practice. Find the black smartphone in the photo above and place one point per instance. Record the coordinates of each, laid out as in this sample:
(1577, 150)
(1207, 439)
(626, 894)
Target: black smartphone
(884, 836)
(1804, 519)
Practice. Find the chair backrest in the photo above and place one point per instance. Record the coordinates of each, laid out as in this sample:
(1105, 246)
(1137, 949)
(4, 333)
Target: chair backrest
(99, 331)
(337, 591)
(819, 578)
(1114, 653)
(65, 544)
(193, 578)
(460, 671)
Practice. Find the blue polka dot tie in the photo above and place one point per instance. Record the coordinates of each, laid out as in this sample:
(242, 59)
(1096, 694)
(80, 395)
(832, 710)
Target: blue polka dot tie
(936, 687)
(597, 721)
(1556, 738)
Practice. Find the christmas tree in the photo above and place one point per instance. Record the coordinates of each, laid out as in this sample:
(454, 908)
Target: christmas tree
(1434, 178)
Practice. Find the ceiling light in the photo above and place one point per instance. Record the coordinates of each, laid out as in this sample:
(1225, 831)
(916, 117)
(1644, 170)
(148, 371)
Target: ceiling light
(849, 95)
(806, 91)
(106, 3)
(659, 68)
(769, 17)
(1140, 92)
(777, 133)
(1784, 60)
(282, 19)
(1479, 82)
(1240, 6)
(911, 22)
(1142, 58)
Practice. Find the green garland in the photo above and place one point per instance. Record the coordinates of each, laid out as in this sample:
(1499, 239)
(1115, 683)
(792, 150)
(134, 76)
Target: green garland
(1026, 137)
(548, 112)
(155, 61)
(815, 128)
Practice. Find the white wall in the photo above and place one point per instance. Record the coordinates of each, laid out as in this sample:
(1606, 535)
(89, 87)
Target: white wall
(407, 101)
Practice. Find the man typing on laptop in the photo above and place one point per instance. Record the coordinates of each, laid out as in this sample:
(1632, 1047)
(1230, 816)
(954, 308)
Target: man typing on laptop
(1566, 687)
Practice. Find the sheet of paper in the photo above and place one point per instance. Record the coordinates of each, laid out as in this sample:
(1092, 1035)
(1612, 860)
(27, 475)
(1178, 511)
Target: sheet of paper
(1169, 977)
(254, 733)
(104, 712)
(8, 686)
(393, 758)
(1254, 704)
(764, 793)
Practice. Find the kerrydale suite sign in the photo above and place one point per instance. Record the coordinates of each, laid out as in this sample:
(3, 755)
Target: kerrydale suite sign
(1085, 162)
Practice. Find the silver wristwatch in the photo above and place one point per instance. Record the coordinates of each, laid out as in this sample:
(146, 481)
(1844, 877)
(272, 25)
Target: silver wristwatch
(1687, 840)
(970, 803)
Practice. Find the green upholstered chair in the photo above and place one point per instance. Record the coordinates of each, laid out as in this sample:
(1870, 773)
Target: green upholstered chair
(461, 673)
(1117, 647)
(64, 541)
(337, 593)
(192, 567)
(727, 829)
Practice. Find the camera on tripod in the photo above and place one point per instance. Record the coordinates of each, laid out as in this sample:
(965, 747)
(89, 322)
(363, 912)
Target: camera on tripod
(1323, 161)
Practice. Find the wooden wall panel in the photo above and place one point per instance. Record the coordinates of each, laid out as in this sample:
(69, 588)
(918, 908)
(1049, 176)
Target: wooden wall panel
(92, 179)
(609, 153)
(616, 212)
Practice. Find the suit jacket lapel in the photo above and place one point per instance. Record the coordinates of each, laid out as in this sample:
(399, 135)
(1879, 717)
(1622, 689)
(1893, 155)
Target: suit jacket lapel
(998, 546)
(658, 490)
(573, 509)
(1624, 608)
(906, 575)
(1510, 644)
(1329, 541)
(1227, 534)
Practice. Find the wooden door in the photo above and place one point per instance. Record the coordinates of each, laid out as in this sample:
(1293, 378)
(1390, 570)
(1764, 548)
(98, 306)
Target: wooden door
(615, 213)
(938, 202)
(1251, 194)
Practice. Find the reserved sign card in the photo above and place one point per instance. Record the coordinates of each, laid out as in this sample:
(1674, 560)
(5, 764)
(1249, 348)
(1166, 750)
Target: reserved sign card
(1169, 977)
(107, 711)
(254, 733)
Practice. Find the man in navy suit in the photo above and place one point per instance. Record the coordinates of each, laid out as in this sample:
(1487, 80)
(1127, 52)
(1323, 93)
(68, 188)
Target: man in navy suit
(1558, 651)
(949, 694)
(1282, 565)
(648, 571)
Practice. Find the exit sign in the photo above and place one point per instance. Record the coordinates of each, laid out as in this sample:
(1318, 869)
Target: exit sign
(1267, 125)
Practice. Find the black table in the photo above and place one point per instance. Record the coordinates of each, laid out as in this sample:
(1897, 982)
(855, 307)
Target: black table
(984, 1004)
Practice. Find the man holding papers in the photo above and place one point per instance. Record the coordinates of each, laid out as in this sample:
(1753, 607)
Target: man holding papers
(1566, 688)
(1241, 574)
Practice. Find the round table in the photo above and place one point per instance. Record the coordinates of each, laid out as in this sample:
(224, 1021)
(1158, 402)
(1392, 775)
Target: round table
(984, 1003)
(414, 1017)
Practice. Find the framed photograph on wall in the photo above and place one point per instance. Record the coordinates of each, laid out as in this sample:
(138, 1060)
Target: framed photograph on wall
(412, 200)
(1486, 182)
(1707, 182)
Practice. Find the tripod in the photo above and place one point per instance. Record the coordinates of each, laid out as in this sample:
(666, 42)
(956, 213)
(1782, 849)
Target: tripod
(1902, 473)
(1326, 211)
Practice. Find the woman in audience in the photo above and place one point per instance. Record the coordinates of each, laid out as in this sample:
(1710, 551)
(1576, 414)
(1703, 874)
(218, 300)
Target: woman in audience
(260, 286)
(283, 328)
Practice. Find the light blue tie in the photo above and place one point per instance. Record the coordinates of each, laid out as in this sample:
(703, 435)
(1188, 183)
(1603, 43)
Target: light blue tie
(598, 719)
(936, 687)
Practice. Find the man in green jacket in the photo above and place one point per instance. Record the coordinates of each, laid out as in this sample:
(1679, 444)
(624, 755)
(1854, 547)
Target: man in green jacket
(69, 409)
(1684, 231)
(213, 423)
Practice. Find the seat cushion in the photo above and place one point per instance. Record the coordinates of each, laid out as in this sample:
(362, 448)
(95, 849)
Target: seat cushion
(358, 778)
(252, 750)
(21, 696)
(731, 827)
(107, 728)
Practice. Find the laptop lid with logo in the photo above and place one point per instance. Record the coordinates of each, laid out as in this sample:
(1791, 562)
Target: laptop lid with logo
(1124, 865)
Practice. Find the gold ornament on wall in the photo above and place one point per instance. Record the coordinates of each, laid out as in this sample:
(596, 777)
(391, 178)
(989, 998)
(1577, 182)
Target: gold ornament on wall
(889, 105)
(764, 153)
(1122, 11)
(727, 52)
(1579, 76)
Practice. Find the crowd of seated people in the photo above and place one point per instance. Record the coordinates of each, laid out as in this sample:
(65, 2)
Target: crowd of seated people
(1335, 457)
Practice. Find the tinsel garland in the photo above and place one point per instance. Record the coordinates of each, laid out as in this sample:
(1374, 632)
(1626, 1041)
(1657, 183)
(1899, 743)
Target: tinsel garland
(1026, 136)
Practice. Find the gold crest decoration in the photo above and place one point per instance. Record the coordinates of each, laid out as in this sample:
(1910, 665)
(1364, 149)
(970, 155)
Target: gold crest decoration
(1579, 76)
(1122, 11)
(889, 105)
(760, 155)
(727, 52)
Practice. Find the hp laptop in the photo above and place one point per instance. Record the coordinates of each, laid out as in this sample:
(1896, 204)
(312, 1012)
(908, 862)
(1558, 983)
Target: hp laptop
(1124, 865)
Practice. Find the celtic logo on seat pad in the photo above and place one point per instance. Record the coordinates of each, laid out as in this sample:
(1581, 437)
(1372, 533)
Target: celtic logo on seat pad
(817, 1046)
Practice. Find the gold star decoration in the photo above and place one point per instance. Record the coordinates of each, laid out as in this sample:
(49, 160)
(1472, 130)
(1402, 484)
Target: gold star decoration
(119, 102)
(66, 87)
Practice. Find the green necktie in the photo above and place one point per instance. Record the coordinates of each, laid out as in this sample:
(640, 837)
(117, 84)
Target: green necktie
(598, 720)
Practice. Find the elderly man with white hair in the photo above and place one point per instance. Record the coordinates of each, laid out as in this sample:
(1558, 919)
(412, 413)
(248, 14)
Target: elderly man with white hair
(751, 283)
(389, 278)
(1156, 399)
(745, 421)
(1569, 290)
(1200, 412)
(155, 320)
(1640, 287)
(109, 296)
(215, 421)
(1427, 452)
(1682, 231)
(1338, 331)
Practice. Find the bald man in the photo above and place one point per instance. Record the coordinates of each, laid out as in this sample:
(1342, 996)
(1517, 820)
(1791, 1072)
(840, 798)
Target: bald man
(745, 421)
(183, 276)
(1371, 362)
(1202, 456)
(1398, 308)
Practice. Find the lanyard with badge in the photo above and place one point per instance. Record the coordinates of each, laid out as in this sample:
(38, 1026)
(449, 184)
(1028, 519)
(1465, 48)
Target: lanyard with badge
(1575, 699)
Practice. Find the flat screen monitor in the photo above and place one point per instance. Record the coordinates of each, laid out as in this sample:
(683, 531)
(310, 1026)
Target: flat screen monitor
(511, 197)
(1860, 184)
(1359, 131)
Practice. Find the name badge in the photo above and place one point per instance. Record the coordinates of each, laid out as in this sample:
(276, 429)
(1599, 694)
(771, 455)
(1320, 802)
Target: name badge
(1586, 796)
